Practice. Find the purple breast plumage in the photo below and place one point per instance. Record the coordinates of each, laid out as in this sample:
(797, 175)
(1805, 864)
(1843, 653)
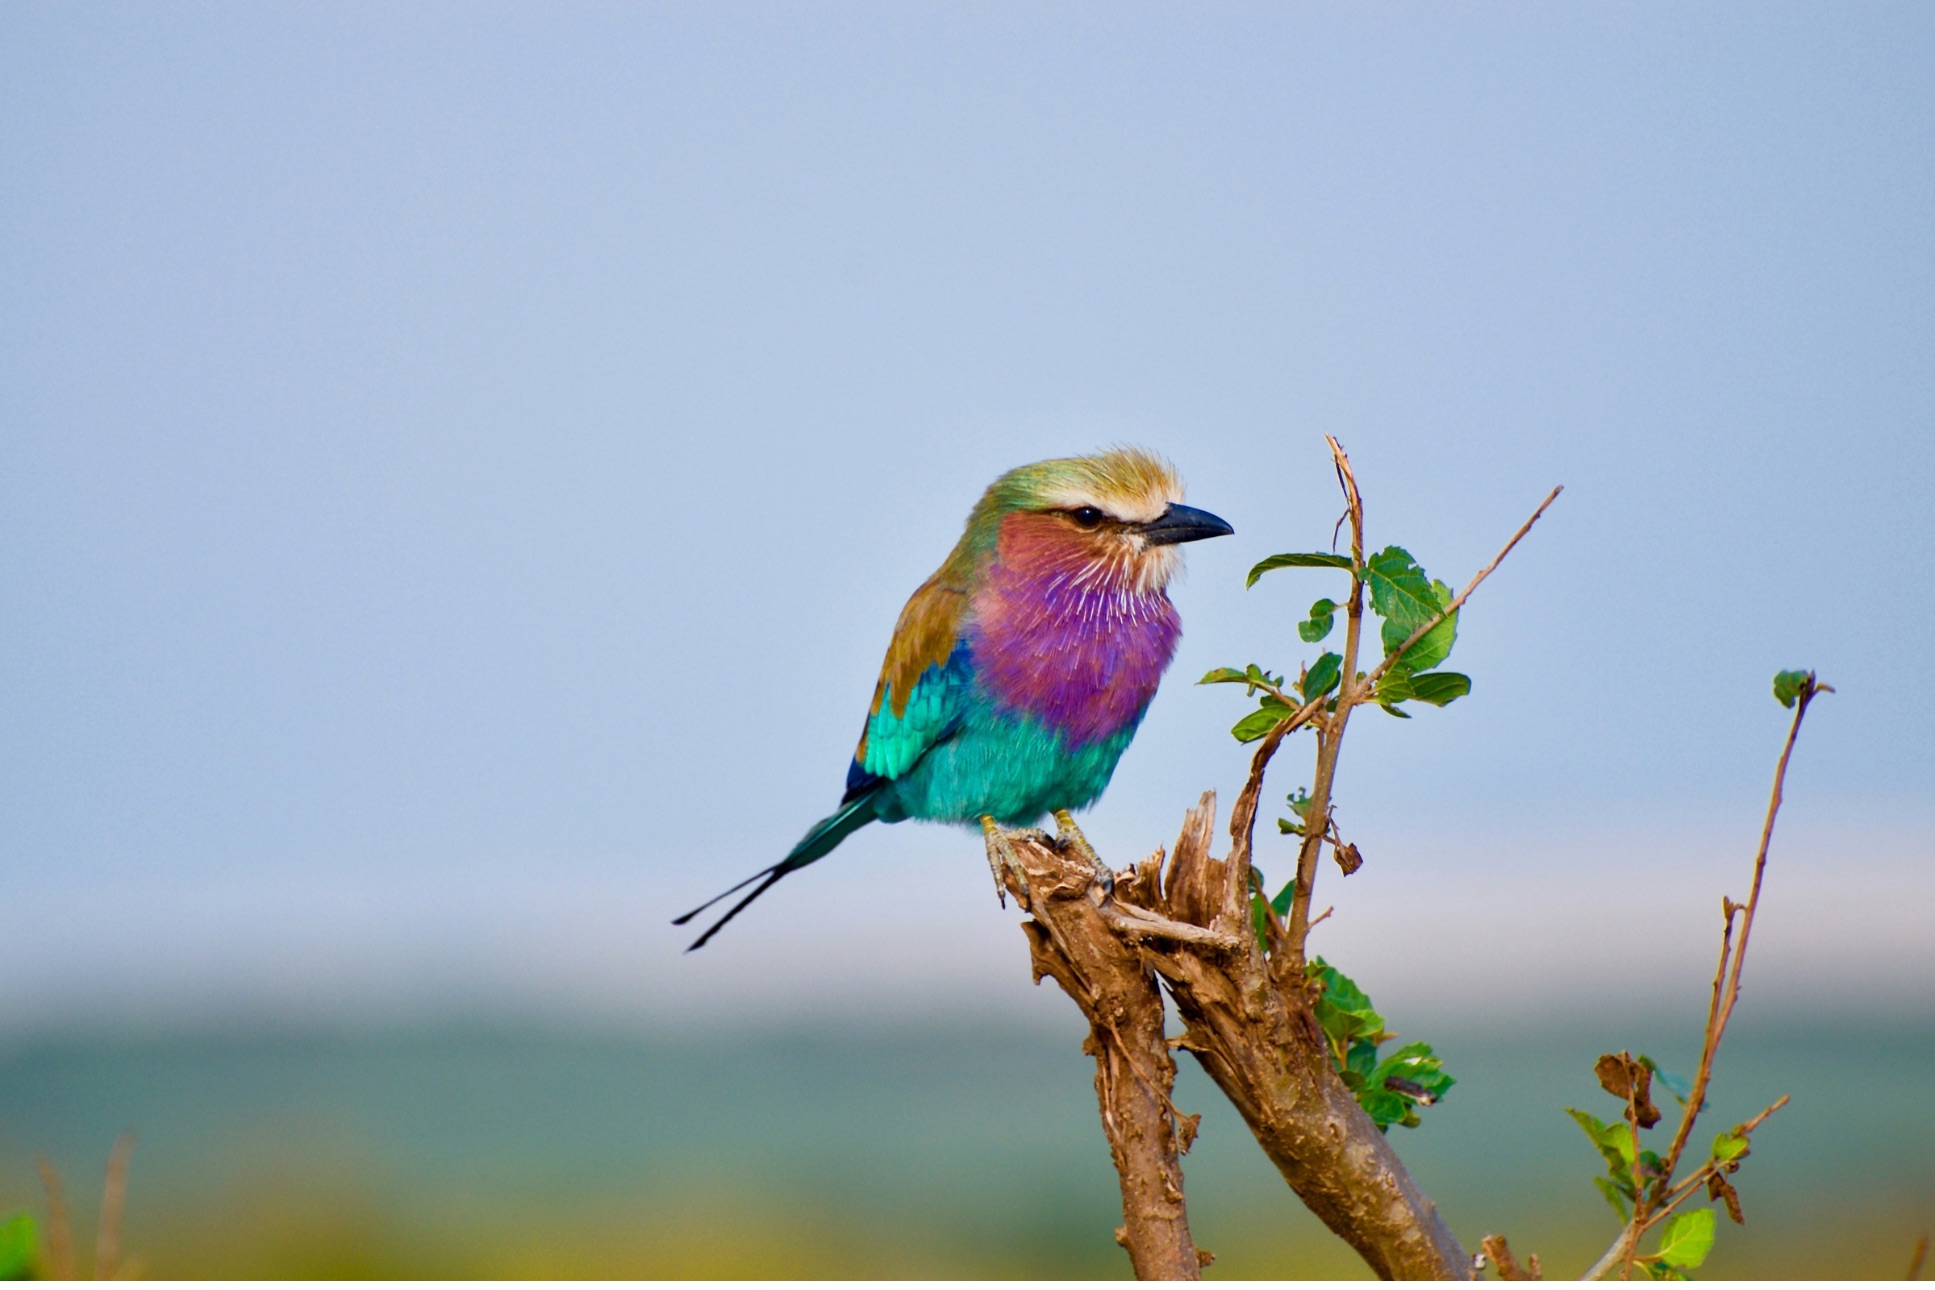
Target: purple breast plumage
(1075, 642)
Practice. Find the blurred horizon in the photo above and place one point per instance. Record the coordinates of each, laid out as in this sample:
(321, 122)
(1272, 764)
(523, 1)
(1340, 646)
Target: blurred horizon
(968, 1148)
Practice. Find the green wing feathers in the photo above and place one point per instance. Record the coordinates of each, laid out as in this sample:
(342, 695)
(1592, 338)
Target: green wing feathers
(922, 688)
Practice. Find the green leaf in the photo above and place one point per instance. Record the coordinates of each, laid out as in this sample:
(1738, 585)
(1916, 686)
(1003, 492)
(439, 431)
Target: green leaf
(1283, 898)
(1259, 922)
(1301, 560)
(1390, 1091)
(1437, 688)
(1259, 723)
(1435, 645)
(1406, 600)
(1323, 675)
(1395, 711)
(1224, 676)
(1788, 686)
(1418, 1065)
(17, 1246)
(1362, 1061)
(1729, 1146)
(1400, 593)
(1615, 1143)
(1344, 1011)
(1613, 1197)
(1323, 617)
(1385, 1109)
(1688, 1237)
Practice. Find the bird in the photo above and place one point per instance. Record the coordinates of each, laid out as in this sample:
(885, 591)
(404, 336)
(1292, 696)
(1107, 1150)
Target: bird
(1018, 673)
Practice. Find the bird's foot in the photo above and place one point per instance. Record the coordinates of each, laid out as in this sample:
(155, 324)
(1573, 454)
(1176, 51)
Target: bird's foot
(1004, 863)
(1072, 839)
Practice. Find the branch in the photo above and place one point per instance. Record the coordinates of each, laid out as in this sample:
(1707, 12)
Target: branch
(1352, 691)
(1500, 1253)
(1073, 941)
(1263, 1048)
(1330, 733)
(1189, 923)
(1656, 1201)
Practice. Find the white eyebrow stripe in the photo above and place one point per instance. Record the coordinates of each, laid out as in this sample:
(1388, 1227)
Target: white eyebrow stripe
(1138, 510)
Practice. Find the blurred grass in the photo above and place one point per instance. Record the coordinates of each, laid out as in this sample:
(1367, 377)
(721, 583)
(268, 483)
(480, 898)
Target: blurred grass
(505, 1151)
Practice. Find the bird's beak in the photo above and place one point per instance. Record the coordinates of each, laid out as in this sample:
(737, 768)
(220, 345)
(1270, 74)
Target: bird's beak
(1182, 524)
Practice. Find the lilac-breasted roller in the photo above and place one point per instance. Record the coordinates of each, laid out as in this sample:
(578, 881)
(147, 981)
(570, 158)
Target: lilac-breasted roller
(1018, 673)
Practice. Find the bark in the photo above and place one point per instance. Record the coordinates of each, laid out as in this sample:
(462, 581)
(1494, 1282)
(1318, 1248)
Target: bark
(1189, 923)
(1134, 1071)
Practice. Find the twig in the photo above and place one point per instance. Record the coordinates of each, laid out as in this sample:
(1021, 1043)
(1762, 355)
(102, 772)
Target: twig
(1916, 1259)
(1330, 732)
(1722, 1011)
(1626, 1245)
(1705, 1171)
(107, 1244)
(60, 1231)
(1458, 600)
(1652, 1203)
(1351, 692)
(1133, 922)
(1500, 1253)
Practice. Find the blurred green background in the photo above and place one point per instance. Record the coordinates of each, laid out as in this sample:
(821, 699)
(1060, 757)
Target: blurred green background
(971, 1150)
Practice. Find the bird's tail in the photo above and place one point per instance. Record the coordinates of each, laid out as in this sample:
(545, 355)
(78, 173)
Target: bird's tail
(819, 840)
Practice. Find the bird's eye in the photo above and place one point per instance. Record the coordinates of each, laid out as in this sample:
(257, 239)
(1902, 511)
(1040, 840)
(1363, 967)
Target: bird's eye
(1087, 516)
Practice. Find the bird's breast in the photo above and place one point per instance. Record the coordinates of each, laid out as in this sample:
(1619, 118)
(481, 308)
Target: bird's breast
(1083, 655)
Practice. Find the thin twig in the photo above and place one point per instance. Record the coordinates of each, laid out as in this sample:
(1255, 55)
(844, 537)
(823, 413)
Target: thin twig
(1351, 692)
(1653, 1203)
(1627, 1242)
(60, 1231)
(1458, 600)
(1916, 1259)
(1717, 1023)
(1136, 922)
(1499, 1251)
(1693, 1184)
(1330, 732)
(107, 1244)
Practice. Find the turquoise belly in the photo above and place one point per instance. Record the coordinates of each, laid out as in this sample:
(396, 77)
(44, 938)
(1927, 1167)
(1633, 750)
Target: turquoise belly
(1006, 765)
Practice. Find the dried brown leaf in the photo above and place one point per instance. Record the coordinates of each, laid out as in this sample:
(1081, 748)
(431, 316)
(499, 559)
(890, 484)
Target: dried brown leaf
(1626, 1078)
(1718, 1188)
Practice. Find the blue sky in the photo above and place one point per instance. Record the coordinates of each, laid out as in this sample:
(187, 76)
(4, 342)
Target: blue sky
(465, 459)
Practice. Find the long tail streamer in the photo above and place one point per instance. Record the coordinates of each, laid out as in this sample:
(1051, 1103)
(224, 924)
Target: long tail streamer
(819, 840)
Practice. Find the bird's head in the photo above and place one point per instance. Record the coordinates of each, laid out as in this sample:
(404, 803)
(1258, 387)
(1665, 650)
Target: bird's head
(1118, 512)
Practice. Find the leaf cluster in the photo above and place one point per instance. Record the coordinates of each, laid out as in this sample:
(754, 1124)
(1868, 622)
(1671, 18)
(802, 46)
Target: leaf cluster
(1390, 1088)
(1403, 599)
(1633, 1171)
(18, 1241)
(1629, 1167)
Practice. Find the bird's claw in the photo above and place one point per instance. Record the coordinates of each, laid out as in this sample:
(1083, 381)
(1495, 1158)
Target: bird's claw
(1005, 863)
(1073, 840)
